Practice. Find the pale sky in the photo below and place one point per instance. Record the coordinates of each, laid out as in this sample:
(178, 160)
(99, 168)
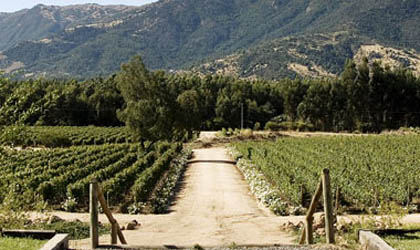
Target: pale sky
(15, 5)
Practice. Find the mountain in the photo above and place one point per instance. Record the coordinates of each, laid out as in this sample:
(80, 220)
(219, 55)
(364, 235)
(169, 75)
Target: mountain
(43, 21)
(265, 38)
(316, 55)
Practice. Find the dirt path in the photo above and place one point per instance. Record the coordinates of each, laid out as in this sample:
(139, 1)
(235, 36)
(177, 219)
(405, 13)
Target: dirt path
(214, 208)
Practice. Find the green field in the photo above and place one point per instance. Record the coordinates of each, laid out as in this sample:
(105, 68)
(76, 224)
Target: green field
(86, 135)
(368, 171)
(408, 241)
(61, 176)
(20, 243)
(63, 136)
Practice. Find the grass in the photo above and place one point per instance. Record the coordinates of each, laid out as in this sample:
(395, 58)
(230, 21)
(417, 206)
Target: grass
(407, 241)
(76, 230)
(21, 243)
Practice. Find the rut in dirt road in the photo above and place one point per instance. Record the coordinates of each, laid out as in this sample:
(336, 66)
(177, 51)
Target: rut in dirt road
(213, 208)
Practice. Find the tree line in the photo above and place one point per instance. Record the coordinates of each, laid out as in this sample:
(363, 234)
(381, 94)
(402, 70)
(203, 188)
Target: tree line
(368, 97)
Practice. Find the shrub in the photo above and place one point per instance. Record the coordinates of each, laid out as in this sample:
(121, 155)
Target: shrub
(257, 126)
(16, 136)
(288, 125)
(52, 140)
(273, 126)
(247, 132)
(304, 126)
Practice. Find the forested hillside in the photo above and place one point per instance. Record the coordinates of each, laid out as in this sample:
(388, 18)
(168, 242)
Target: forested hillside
(178, 34)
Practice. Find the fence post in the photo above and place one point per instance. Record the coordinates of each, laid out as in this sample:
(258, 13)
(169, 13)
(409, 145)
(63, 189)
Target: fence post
(308, 231)
(328, 208)
(337, 200)
(115, 227)
(93, 209)
(114, 230)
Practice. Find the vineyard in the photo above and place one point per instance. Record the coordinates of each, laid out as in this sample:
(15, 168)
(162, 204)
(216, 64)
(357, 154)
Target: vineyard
(367, 172)
(63, 135)
(90, 135)
(61, 176)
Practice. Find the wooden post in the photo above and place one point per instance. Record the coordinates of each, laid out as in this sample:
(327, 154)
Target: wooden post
(302, 195)
(93, 209)
(111, 219)
(302, 236)
(308, 231)
(114, 230)
(328, 208)
(337, 199)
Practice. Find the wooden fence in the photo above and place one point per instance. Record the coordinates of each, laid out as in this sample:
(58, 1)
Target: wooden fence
(96, 195)
(324, 188)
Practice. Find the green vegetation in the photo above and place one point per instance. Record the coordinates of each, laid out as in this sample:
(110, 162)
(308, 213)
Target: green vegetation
(165, 190)
(77, 230)
(154, 112)
(347, 234)
(368, 97)
(20, 243)
(359, 167)
(63, 136)
(405, 241)
(388, 227)
(60, 177)
(54, 102)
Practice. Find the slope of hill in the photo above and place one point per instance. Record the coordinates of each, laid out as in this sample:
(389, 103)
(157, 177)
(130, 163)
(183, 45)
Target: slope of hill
(317, 55)
(178, 34)
(314, 55)
(44, 21)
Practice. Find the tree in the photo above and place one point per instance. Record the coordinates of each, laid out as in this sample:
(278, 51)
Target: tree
(155, 107)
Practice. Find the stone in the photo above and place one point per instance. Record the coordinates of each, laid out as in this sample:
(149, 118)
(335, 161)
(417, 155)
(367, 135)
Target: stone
(131, 225)
(290, 226)
(319, 222)
(320, 231)
(54, 219)
(300, 225)
(342, 228)
(75, 220)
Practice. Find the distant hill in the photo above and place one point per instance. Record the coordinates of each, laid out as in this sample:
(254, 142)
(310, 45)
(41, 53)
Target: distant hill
(43, 21)
(265, 38)
(317, 55)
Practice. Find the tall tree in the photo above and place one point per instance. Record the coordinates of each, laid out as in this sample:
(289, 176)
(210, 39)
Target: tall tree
(154, 107)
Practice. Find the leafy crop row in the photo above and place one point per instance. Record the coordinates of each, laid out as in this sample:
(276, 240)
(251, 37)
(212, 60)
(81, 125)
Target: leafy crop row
(63, 136)
(145, 182)
(62, 175)
(367, 171)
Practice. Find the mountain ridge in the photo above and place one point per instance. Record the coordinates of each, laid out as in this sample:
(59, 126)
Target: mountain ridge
(184, 34)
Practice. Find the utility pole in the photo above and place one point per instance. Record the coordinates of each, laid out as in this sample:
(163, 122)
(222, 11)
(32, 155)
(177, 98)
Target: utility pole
(242, 116)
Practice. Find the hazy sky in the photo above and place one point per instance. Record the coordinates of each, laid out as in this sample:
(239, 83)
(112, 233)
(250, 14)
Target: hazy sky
(15, 5)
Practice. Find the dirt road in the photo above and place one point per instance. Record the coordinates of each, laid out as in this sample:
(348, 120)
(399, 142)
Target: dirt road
(214, 208)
